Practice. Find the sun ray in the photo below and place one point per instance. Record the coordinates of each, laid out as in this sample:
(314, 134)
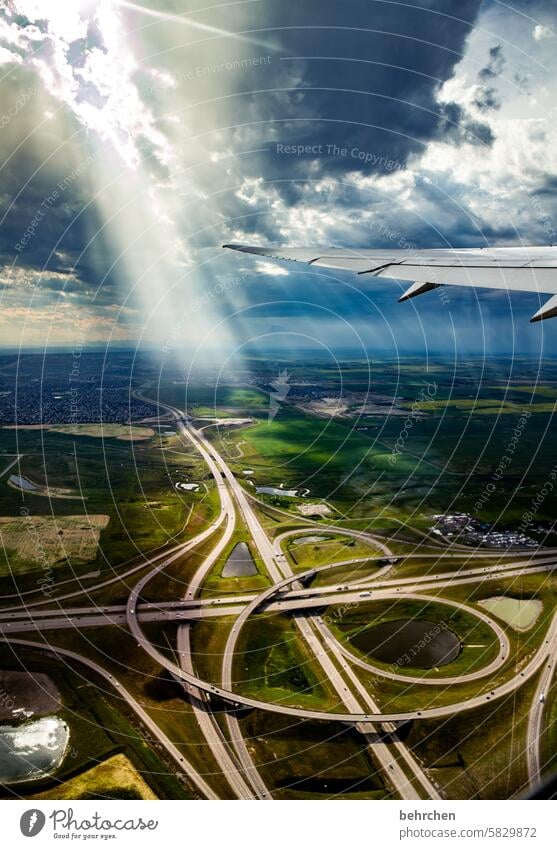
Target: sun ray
(182, 19)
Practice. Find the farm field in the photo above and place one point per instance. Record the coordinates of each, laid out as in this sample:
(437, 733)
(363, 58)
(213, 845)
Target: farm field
(99, 430)
(30, 543)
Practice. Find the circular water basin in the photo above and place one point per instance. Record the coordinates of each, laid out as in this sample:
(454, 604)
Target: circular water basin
(409, 643)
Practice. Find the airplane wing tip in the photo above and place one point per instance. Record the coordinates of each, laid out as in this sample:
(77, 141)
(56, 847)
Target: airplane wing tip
(247, 249)
(532, 269)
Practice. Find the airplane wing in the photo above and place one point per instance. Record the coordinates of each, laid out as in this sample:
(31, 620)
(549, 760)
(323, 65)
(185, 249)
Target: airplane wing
(528, 269)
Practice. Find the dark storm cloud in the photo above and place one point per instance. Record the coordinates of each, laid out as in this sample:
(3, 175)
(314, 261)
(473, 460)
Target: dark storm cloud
(364, 102)
(549, 188)
(458, 127)
(48, 222)
(374, 83)
(373, 89)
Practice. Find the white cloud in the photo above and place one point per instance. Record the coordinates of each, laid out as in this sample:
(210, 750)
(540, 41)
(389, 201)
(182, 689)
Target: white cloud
(7, 56)
(270, 268)
(540, 32)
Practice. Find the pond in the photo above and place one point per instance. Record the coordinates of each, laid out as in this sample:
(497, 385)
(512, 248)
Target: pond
(276, 490)
(22, 483)
(409, 643)
(24, 694)
(33, 749)
(520, 613)
(240, 563)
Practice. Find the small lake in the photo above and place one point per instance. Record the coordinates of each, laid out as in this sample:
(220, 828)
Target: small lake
(33, 749)
(409, 643)
(22, 483)
(240, 563)
(520, 613)
(276, 490)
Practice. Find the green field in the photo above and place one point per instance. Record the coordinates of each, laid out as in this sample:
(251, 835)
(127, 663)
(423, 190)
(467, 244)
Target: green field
(131, 483)
(312, 760)
(333, 549)
(471, 632)
(443, 461)
(272, 664)
(100, 728)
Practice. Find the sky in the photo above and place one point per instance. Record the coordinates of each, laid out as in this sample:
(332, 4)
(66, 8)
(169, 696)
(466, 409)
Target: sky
(137, 138)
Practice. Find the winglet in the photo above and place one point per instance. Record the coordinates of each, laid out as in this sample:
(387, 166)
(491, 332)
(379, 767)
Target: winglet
(549, 310)
(418, 289)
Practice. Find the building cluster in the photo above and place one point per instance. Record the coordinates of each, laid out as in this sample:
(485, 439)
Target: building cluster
(46, 403)
(465, 529)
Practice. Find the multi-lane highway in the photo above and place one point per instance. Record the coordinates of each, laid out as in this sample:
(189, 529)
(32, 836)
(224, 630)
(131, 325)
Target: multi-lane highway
(233, 758)
(185, 767)
(291, 593)
(276, 565)
(535, 725)
(191, 609)
(343, 682)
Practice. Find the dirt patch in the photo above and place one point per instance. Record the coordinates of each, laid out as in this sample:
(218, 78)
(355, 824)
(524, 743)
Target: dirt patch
(314, 510)
(110, 430)
(38, 542)
(325, 407)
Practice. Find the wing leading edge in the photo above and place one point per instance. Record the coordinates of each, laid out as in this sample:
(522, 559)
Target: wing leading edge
(529, 269)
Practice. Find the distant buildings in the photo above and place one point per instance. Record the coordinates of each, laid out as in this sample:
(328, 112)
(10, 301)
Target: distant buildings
(40, 404)
(463, 528)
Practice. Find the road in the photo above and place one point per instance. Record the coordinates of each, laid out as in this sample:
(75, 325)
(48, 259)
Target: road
(145, 560)
(191, 609)
(288, 594)
(185, 767)
(236, 765)
(236, 699)
(233, 771)
(277, 568)
(535, 723)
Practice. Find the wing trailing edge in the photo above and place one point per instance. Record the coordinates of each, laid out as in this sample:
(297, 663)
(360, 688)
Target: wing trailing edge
(519, 269)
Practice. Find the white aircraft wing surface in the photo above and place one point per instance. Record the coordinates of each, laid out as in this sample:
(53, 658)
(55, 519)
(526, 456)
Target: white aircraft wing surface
(522, 269)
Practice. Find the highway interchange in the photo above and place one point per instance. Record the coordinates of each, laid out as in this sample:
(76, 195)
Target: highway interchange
(292, 593)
